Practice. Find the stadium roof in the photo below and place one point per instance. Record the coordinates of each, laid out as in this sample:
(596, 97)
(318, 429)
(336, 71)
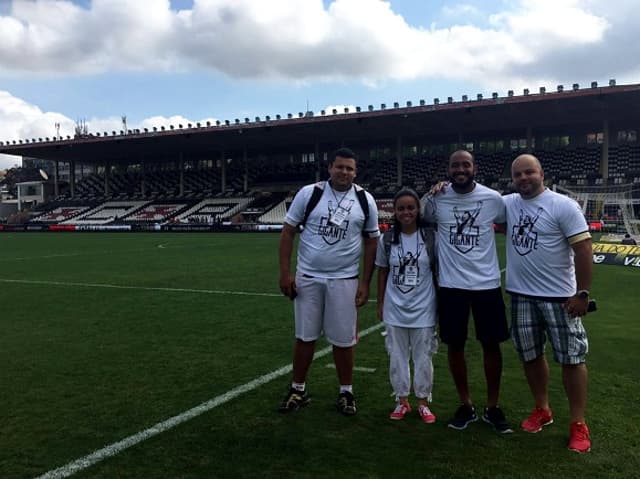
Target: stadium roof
(422, 124)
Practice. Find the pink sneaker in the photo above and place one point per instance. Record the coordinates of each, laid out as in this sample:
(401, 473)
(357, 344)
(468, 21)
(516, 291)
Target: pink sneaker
(579, 440)
(539, 417)
(400, 411)
(426, 415)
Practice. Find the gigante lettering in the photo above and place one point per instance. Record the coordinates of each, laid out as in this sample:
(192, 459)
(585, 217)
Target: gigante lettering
(463, 240)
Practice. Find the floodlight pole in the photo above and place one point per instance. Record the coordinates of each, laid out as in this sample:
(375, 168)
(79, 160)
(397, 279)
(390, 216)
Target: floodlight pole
(604, 157)
(399, 160)
(181, 167)
(56, 175)
(107, 170)
(245, 162)
(317, 161)
(72, 177)
(223, 172)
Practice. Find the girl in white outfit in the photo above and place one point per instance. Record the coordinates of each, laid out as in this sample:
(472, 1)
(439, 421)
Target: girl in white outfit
(407, 305)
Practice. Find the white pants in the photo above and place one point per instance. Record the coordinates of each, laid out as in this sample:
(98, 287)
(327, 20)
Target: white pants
(420, 344)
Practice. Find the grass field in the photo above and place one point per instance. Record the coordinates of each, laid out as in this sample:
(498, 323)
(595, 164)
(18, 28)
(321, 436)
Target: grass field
(103, 336)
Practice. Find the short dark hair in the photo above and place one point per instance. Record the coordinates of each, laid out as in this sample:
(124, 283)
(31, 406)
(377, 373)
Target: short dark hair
(463, 152)
(343, 153)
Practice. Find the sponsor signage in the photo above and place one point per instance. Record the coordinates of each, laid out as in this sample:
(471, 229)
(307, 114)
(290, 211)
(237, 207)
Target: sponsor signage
(620, 254)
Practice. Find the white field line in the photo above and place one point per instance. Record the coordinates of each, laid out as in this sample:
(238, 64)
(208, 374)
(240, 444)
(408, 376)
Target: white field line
(141, 288)
(92, 253)
(69, 255)
(117, 447)
(146, 288)
(355, 368)
(27, 258)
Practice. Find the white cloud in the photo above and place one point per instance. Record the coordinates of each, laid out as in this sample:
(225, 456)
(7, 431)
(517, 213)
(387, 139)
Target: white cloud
(529, 43)
(301, 39)
(338, 108)
(21, 120)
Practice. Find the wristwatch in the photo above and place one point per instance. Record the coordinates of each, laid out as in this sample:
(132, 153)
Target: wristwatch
(583, 293)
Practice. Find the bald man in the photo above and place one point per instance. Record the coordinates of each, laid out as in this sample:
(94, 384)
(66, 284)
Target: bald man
(549, 270)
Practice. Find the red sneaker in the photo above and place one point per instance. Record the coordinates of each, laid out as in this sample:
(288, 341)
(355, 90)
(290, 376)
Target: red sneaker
(537, 420)
(400, 411)
(426, 415)
(579, 439)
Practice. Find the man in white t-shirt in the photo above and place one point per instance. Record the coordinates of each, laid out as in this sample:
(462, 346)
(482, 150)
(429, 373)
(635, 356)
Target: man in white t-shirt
(325, 289)
(549, 270)
(469, 278)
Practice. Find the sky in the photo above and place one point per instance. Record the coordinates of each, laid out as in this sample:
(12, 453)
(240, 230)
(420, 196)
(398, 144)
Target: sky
(162, 62)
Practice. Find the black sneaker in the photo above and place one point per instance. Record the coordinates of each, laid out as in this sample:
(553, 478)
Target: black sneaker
(464, 415)
(495, 417)
(346, 403)
(294, 400)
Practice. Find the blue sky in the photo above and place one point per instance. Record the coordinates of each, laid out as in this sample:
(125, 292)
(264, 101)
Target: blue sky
(161, 61)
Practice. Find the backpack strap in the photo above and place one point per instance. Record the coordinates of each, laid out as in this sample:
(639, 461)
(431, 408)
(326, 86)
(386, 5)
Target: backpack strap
(387, 238)
(318, 189)
(429, 238)
(364, 204)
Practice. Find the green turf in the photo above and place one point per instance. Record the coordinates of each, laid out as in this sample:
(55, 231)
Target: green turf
(84, 366)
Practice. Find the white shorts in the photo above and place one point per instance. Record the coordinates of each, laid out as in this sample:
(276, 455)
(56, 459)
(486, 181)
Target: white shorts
(329, 306)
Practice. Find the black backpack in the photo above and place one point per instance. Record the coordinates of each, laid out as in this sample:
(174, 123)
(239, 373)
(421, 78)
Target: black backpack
(318, 189)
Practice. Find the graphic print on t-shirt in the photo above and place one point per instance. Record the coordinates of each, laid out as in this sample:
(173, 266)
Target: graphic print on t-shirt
(408, 265)
(330, 232)
(523, 238)
(464, 235)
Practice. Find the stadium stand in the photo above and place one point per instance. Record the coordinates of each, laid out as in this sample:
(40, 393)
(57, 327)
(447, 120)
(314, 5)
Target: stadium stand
(155, 213)
(276, 214)
(214, 210)
(106, 213)
(586, 138)
(60, 214)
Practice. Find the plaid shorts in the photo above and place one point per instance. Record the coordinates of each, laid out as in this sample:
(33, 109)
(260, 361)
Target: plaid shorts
(533, 320)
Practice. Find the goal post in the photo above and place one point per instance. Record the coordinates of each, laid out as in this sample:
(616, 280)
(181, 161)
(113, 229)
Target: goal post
(615, 207)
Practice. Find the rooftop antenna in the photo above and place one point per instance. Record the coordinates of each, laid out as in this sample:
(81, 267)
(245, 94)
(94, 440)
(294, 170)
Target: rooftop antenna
(81, 129)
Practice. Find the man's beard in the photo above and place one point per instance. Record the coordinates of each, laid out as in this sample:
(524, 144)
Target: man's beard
(462, 186)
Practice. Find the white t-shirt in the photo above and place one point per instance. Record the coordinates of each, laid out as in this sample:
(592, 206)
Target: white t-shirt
(326, 250)
(405, 304)
(539, 257)
(465, 240)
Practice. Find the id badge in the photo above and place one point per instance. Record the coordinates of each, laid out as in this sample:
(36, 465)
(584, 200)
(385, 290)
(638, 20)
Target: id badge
(411, 276)
(338, 216)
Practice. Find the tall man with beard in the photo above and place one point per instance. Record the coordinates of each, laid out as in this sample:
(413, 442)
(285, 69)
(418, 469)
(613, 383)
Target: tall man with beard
(325, 289)
(549, 271)
(469, 278)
